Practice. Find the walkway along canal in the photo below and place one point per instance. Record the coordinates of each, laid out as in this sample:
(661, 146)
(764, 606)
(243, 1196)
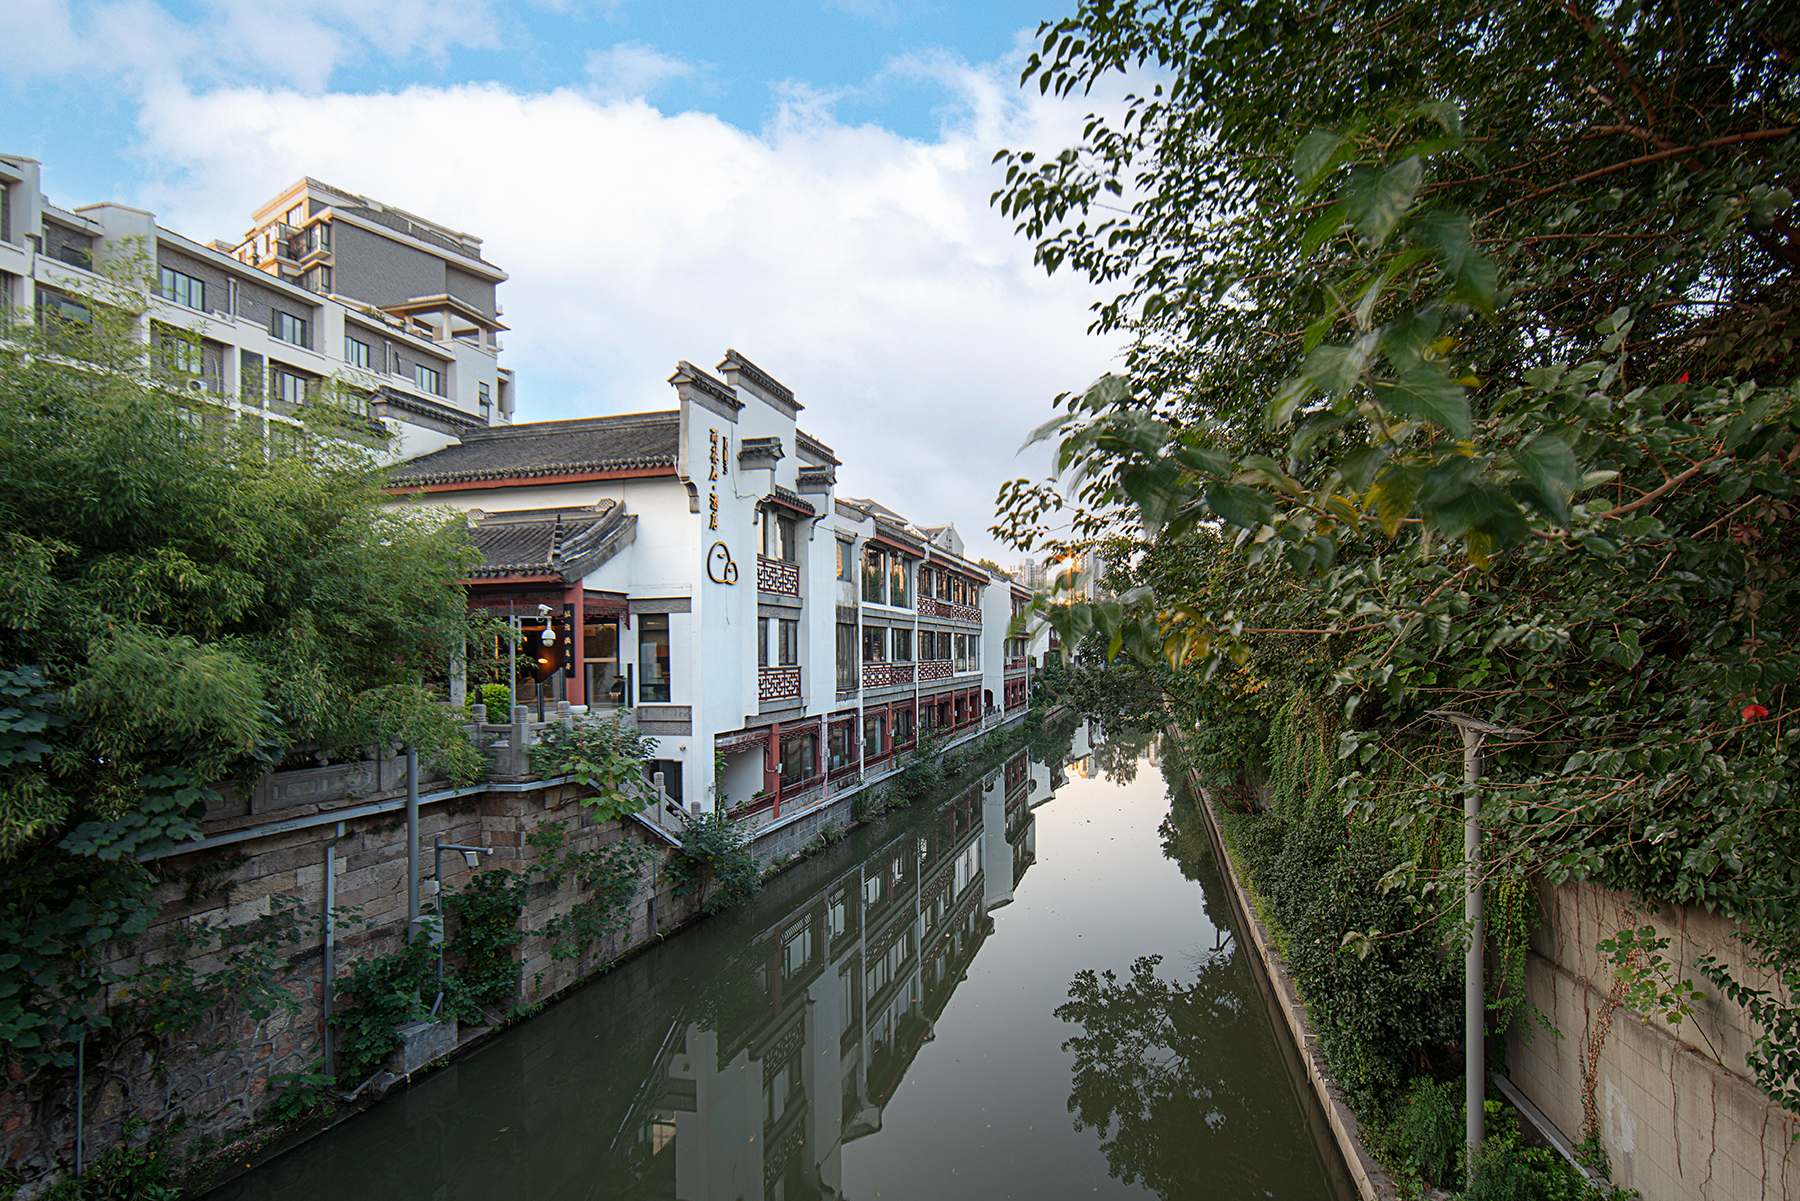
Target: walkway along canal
(1032, 989)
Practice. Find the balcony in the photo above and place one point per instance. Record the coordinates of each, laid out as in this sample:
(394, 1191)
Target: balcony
(777, 683)
(931, 607)
(774, 575)
(934, 669)
(886, 675)
(1016, 664)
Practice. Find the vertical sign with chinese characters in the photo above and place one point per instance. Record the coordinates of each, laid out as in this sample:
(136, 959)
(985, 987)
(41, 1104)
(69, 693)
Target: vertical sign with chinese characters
(712, 493)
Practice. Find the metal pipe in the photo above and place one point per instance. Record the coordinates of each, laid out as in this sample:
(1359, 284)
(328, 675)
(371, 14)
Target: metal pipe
(438, 847)
(329, 956)
(412, 843)
(1474, 965)
(80, 1092)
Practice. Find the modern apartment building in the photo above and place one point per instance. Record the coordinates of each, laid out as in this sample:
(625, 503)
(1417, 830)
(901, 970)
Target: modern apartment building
(696, 566)
(331, 297)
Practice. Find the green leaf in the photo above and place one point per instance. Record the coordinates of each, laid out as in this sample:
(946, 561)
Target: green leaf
(1549, 466)
(1405, 339)
(1291, 396)
(1425, 394)
(1393, 494)
(1243, 507)
(1380, 199)
(1334, 369)
(1321, 229)
(1315, 157)
(1445, 113)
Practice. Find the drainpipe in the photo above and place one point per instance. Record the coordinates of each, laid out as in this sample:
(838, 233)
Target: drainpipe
(329, 957)
(80, 1091)
(1474, 731)
(412, 843)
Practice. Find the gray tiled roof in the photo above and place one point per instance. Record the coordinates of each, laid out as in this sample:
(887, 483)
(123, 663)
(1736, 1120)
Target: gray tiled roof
(633, 440)
(566, 542)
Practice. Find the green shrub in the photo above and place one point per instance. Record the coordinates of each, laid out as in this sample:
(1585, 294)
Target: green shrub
(497, 698)
(385, 992)
(1428, 1134)
(487, 930)
(715, 862)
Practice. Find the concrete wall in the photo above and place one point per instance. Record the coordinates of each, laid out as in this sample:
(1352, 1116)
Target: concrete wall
(217, 1074)
(1676, 1121)
(380, 270)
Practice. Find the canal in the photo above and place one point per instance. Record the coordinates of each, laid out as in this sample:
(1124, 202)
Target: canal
(1032, 989)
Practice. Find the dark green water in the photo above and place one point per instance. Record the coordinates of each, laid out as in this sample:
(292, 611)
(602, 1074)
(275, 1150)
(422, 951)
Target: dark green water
(964, 1001)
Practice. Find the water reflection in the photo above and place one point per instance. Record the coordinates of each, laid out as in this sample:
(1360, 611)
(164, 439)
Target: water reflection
(761, 1055)
(734, 1062)
(1175, 1075)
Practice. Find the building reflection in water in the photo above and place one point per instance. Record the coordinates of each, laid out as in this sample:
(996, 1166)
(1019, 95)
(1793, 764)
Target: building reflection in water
(852, 982)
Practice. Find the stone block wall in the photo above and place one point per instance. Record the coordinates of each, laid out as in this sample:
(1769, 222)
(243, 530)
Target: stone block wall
(215, 1076)
(1675, 1106)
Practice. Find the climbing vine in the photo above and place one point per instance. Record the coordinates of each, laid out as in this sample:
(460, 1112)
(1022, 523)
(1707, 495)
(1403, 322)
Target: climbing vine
(607, 880)
(487, 910)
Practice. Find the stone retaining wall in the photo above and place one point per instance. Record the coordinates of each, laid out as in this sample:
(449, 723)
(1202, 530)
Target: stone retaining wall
(1676, 1122)
(216, 1075)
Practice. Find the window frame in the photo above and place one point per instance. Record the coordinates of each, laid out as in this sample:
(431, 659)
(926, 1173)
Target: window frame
(354, 359)
(178, 287)
(420, 371)
(282, 324)
(660, 689)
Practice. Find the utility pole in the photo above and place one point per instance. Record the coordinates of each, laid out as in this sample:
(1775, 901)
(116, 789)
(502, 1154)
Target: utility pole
(1474, 733)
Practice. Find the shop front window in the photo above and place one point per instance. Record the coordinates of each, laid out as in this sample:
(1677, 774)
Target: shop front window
(799, 756)
(841, 746)
(874, 730)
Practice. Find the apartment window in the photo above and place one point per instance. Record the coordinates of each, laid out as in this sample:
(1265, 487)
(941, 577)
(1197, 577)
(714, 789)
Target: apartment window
(286, 386)
(974, 652)
(653, 657)
(250, 374)
(62, 308)
(77, 256)
(874, 732)
(671, 774)
(799, 758)
(183, 289)
(289, 328)
(903, 727)
(903, 646)
(840, 747)
(780, 538)
(429, 379)
(874, 644)
(762, 641)
(943, 584)
(897, 590)
(846, 562)
(787, 635)
(874, 574)
(846, 656)
(180, 353)
(487, 403)
(356, 352)
(318, 279)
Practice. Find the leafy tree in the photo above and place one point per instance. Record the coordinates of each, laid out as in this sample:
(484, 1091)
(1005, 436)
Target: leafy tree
(1468, 329)
(714, 863)
(181, 601)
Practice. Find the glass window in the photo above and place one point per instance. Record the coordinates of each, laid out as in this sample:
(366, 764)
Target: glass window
(653, 658)
(356, 353)
(787, 547)
(841, 746)
(874, 574)
(846, 657)
(286, 386)
(183, 289)
(484, 397)
(903, 727)
(762, 641)
(902, 646)
(289, 328)
(789, 634)
(845, 561)
(799, 758)
(429, 379)
(874, 644)
(897, 591)
(600, 657)
(874, 731)
(181, 353)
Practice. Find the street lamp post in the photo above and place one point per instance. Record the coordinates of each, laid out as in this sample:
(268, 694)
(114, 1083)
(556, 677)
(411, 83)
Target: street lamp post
(1474, 731)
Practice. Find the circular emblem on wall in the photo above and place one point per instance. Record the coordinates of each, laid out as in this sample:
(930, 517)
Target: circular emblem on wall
(719, 565)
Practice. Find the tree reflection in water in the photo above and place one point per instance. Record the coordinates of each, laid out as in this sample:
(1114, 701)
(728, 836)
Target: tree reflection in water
(1176, 1077)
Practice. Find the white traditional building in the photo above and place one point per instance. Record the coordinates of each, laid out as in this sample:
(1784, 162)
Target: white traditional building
(697, 566)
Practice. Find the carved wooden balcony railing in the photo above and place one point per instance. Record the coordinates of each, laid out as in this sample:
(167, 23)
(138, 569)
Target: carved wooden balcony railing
(775, 683)
(886, 675)
(773, 575)
(931, 607)
(1015, 665)
(934, 669)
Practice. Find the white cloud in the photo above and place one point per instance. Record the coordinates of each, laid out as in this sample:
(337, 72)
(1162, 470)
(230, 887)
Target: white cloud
(863, 269)
(232, 40)
(631, 70)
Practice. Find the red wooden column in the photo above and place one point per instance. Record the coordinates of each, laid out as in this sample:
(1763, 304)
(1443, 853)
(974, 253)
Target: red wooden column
(772, 766)
(575, 672)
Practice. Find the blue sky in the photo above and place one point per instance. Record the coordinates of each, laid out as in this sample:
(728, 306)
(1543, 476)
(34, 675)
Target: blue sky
(805, 181)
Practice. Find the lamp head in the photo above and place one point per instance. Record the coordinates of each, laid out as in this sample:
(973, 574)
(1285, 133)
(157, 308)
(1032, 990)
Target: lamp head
(472, 858)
